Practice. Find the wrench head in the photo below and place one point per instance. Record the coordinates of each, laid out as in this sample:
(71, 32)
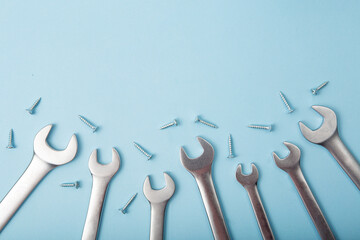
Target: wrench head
(325, 131)
(50, 155)
(162, 195)
(104, 170)
(291, 161)
(247, 180)
(200, 164)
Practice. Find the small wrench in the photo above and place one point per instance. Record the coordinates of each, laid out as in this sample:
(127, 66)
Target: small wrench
(158, 200)
(44, 160)
(327, 136)
(101, 175)
(291, 165)
(249, 182)
(200, 168)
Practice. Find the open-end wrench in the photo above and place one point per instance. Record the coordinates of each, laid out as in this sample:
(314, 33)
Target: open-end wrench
(158, 200)
(249, 182)
(200, 168)
(291, 165)
(44, 160)
(101, 175)
(327, 136)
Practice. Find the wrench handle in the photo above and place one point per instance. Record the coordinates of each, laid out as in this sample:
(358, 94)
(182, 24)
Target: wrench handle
(34, 173)
(260, 213)
(98, 192)
(311, 204)
(343, 156)
(212, 206)
(157, 220)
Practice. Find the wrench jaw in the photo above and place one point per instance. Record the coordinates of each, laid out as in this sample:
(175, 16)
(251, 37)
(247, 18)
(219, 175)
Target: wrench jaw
(162, 195)
(199, 165)
(49, 155)
(290, 162)
(104, 170)
(247, 180)
(327, 130)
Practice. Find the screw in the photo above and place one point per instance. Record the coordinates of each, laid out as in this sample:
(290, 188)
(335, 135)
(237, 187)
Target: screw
(74, 184)
(265, 127)
(32, 108)
(197, 119)
(142, 150)
(123, 209)
(11, 141)
(173, 123)
(231, 155)
(315, 90)
(286, 103)
(92, 126)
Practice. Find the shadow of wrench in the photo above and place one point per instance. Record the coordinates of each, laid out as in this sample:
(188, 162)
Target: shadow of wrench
(200, 168)
(44, 160)
(158, 200)
(249, 182)
(101, 175)
(291, 165)
(327, 136)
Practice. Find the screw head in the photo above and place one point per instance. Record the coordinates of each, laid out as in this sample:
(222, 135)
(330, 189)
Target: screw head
(197, 119)
(289, 111)
(123, 211)
(175, 122)
(149, 157)
(94, 129)
(231, 156)
(314, 91)
(77, 185)
(31, 111)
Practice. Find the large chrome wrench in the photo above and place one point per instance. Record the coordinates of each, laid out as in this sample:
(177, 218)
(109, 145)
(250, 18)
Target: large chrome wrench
(158, 200)
(101, 175)
(291, 165)
(44, 160)
(200, 168)
(249, 182)
(327, 136)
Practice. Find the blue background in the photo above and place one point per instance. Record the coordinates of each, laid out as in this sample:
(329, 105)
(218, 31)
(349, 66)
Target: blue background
(131, 66)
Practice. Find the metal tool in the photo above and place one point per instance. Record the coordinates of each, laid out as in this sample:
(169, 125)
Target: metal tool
(264, 127)
(173, 123)
(198, 119)
(231, 155)
(88, 123)
(123, 209)
(75, 184)
(290, 110)
(101, 175)
(141, 149)
(44, 160)
(327, 136)
(200, 168)
(158, 200)
(32, 108)
(11, 140)
(314, 91)
(291, 165)
(249, 182)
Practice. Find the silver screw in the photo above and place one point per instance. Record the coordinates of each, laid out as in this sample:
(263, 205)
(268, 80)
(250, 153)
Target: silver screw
(231, 155)
(11, 141)
(197, 119)
(315, 90)
(32, 108)
(73, 184)
(265, 127)
(286, 103)
(123, 209)
(173, 123)
(142, 150)
(84, 120)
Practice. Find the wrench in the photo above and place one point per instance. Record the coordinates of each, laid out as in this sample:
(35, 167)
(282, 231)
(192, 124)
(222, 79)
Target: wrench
(200, 168)
(327, 136)
(44, 160)
(101, 175)
(158, 200)
(291, 165)
(249, 182)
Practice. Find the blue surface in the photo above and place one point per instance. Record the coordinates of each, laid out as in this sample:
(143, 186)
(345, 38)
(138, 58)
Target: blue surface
(131, 66)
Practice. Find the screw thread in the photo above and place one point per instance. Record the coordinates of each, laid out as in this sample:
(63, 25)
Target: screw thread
(35, 103)
(230, 147)
(322, 85)
(142, 150)
(168, 125)
(128, 203)
(10, 141)
(84, 120)
(205, 122)
(260, 127)
(285, 102)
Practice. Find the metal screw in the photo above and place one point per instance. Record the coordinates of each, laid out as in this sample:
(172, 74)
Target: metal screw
(231, 155)
(123, 209)
(84, 120)
(286, 103)
(315, 90)
(11, 141)
(74, 184)
(173, 123)
(142, 150)
(197, 119)
(265, 127)
(32, 108)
